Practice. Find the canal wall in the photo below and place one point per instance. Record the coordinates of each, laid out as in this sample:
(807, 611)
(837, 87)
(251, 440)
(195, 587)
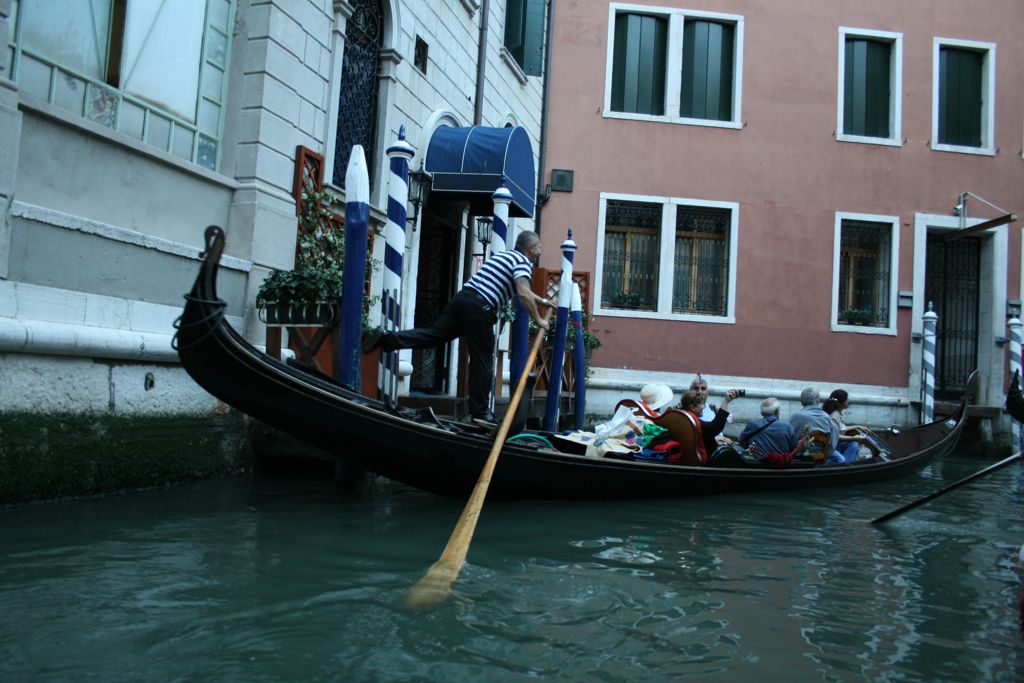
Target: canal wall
(74, 426)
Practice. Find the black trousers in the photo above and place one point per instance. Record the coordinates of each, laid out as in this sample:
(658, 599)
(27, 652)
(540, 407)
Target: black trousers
(469, 316)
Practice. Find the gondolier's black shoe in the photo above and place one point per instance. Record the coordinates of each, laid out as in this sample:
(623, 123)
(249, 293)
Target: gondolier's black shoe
(372, 339)
(485, 419)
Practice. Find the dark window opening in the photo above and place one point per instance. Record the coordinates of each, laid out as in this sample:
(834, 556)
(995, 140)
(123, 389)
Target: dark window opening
(357, 105)
(864, 271)
(420, 55)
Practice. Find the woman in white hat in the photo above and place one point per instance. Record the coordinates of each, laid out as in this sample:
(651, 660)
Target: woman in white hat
(655, 397)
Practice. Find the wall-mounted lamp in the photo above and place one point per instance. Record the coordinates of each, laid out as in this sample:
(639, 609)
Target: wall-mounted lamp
(419, 190)
(1013, 308)
(484, 229)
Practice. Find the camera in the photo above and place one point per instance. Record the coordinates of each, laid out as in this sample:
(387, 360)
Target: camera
(741, 392)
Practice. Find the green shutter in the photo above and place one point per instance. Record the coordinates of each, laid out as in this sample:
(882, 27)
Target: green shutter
(867, 88)
(638, 64)
(960, 96)
(514, 29)
(524, 34)
(707, 70)
(533, 38)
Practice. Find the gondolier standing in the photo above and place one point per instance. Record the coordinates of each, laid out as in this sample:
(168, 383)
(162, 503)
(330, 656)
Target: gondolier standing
(472, 313)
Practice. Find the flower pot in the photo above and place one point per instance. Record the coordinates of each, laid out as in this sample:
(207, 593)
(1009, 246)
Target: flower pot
(298, 314)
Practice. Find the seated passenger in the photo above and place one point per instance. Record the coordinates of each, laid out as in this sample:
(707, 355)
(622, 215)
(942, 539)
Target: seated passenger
(693, 403)
(656, 397)
(769, 434)
(850, 437)
(811, 418)
(699, 384)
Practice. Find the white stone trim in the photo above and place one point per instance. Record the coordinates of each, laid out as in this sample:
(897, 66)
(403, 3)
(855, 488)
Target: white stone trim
(988, 89)
(43, 108)
(895, 86)
(513, 65)
(894, 260)
(60, 219)
(666, 259)
(51, 321)
(994, 247)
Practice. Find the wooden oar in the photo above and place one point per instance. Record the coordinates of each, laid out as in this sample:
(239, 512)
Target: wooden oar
(910, 506)
(433, 588)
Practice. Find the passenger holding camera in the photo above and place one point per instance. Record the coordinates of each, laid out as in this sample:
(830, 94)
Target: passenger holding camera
(699, 384)
(769, 434)
(693, 403)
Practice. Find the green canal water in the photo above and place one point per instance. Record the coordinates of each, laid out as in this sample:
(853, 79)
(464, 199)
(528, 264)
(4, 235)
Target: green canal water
(287, 579)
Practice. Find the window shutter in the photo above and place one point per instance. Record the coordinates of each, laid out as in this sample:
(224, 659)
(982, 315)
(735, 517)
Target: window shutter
(867, 87)
(960, 99)
(707, 70)
(524, 34)
(638, 69)
(533, 38)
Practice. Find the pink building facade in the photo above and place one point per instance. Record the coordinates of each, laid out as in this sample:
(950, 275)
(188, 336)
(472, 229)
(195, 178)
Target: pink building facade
(760, 192)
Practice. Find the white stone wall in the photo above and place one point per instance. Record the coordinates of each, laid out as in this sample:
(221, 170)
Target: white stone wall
(283, 78)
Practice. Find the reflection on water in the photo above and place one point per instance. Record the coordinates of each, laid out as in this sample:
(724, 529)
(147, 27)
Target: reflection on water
(289, 580)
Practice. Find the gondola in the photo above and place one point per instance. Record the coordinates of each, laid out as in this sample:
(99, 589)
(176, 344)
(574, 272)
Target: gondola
(445, 458)
(1014, 398)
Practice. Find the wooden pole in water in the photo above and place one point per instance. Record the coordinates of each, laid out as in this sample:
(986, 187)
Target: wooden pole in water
(433, 588)
(955, 485)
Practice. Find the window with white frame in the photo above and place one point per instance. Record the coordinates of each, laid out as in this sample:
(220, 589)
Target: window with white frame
(154, 70)
(963, 96)
(870, 83)
(666, 257)
(865, 273)
(676, 65)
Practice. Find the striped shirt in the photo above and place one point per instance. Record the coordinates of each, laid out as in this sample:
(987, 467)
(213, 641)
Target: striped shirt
(495, 281)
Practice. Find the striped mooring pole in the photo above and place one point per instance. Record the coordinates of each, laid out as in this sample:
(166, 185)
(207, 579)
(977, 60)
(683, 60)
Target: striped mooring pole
(500, 237)
(357, 223)
(561, 328)
(399, 155)
(579, 355)
(1014, 325)
(929, 327)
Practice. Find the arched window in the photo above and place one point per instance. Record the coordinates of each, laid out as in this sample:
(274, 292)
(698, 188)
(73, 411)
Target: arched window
(357, 102)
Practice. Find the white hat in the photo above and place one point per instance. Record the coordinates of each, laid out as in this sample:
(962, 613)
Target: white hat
(656, 396)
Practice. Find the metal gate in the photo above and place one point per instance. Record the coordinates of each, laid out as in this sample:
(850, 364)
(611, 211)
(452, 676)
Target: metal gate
(951, 284)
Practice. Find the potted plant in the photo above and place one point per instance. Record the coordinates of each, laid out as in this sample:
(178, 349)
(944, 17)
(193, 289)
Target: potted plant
(308, 293)
(628, 300)
(857, 316)
(590, 340)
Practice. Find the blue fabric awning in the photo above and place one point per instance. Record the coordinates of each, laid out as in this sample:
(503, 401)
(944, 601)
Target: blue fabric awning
(471, 163)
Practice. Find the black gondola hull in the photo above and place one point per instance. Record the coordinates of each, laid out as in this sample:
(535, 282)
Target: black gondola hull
(428, 456)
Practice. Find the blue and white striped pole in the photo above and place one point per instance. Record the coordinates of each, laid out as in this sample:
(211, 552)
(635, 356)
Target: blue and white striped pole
(561, 328)
(399, 155)
(1014, 324)
(579, 355)
(929, 327)
(500, 241)
(500, 237)
(357, 224)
